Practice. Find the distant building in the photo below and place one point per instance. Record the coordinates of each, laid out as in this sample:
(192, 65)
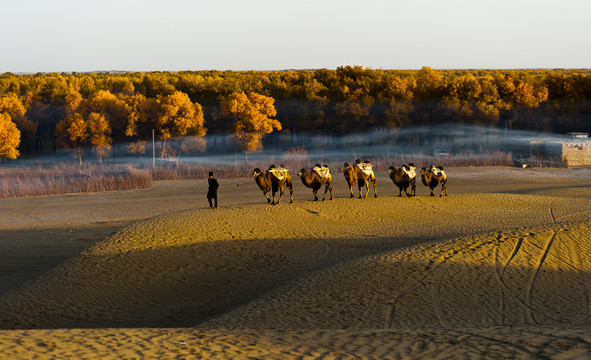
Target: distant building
(578, 135)
(573, 151)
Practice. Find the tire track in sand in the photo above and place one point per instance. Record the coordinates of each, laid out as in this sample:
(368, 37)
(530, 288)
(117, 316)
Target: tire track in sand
(579, 264)
(499, 273)
(430, 269)
(504, 289)
(532, 280)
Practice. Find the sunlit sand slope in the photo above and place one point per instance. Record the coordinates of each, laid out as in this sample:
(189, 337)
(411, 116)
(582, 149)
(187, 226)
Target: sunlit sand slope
(534, 276)
(188, 267)
(473, 343)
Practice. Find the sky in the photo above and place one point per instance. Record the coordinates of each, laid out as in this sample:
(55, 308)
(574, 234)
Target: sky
(177, 35)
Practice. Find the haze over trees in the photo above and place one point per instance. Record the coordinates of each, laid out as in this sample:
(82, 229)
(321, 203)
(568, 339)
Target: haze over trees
(99, 111)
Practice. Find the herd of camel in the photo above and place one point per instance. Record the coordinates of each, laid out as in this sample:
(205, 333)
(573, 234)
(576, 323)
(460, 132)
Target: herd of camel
(361, 173)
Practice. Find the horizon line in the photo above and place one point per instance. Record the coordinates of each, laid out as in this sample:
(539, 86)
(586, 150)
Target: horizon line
(287, 70)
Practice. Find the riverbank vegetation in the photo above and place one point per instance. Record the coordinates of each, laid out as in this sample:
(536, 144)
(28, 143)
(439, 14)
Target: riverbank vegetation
(99, 111)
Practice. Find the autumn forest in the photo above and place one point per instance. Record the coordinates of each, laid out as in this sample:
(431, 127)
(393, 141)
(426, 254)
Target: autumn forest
(42, 113)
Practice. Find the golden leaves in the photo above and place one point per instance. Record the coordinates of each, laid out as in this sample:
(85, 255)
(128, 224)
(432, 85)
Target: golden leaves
(10, 137)
(252, 115)
(179, 116)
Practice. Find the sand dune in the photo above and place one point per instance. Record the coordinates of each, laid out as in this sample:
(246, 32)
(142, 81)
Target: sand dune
(502, 278)
(499, 273)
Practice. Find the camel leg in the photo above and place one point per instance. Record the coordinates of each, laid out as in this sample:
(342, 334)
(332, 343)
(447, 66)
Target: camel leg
(273, 193)
(315, 194)
(366, 184)
(267, 196)
(399, 192)
(432, 194)
(351, 191)
(329, 187)
(290, 186)
(360, 192)
(280, 195)
(413, 190)
(443, 188)
(375, 190)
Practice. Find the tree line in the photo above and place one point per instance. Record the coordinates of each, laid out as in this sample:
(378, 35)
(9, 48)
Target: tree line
(45, 112)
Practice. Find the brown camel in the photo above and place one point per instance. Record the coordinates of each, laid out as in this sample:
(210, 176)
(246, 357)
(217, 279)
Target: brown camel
(403, 177)
(273, 180)
(365, 174)
(350, 176)
(317, 177)
(432, 176)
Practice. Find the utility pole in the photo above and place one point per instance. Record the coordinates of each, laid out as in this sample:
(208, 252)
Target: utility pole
(153, 151)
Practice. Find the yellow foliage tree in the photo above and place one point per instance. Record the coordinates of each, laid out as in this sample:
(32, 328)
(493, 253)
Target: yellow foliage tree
(13, 106)
(518, 95)
(141, 112)
(99, 132)
(10, 137)
(113, 108)
(429, 83)
(252, 116)
(72, 101)
(179, 116)
(71, 133)
(75, 132)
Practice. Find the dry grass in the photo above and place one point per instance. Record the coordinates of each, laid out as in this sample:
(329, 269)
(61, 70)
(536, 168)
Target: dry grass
(65, 178)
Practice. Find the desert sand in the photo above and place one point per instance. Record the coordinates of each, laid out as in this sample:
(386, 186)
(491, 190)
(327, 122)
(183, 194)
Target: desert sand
(500, 268)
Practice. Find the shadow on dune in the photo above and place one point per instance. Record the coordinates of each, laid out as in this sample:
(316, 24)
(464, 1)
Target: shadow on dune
(28, 253)
(170, 286)
(535, 276)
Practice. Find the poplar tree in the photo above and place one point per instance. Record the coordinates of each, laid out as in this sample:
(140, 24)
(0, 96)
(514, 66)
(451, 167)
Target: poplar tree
(10, 138)
(253, 118)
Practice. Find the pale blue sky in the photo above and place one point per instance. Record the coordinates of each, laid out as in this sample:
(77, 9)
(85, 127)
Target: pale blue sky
(173, 35)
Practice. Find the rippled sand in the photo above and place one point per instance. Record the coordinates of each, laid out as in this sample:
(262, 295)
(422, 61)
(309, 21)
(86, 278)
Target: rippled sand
(501, 268)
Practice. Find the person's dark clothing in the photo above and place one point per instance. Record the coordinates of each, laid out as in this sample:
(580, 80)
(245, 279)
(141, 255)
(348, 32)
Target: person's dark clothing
(212, 192)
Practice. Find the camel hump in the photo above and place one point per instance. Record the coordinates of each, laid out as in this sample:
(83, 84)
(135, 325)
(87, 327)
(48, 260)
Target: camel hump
(366, 168)
(437, 171)
(279, 172)
(322, 171)
(411, 171)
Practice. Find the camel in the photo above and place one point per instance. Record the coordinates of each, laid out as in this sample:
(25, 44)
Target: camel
(273, 180)
(364, 173)
(403, 177)
(351, 177)
(432, 176)
(318, 176)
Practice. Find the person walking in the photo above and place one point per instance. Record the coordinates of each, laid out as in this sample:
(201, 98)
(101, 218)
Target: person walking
(212, 191)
